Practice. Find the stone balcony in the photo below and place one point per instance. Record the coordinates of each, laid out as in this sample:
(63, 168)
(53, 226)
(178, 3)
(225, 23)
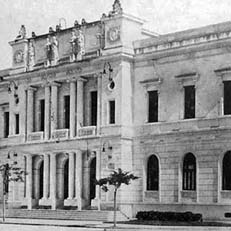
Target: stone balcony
(35, 136)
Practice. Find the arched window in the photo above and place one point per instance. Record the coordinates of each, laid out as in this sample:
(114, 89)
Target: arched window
(226, 176)
(153, 173)
(189, 172)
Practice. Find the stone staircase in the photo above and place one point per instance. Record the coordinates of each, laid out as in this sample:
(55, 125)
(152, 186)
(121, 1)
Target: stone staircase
(84, 215)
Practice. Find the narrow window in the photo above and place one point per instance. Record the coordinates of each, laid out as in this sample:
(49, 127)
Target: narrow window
(227, 97)
(66, 111)
(6, 124)
(16, 123)
(94, 108)
(42, 114)
(226, 179)
(153, 106)
(189, 172)
(153, 173)
(189, 102)
(112, 112)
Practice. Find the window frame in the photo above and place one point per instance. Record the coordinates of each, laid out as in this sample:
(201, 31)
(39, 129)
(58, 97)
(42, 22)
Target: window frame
(153, 181)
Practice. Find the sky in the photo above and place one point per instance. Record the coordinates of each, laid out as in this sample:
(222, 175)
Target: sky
(162, 16)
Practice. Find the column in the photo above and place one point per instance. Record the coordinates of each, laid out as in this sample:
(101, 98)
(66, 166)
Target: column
(53, 181)
(30, 109)
(98, 169)
(54, 106)
(46, 177)
(71, 175)
(47, 113)
(99, 103)
(23, 111)
(79, 104)
(72, 108)
(29, 181)
(78, 179)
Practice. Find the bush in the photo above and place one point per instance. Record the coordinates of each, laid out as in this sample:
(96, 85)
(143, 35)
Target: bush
(168, 216)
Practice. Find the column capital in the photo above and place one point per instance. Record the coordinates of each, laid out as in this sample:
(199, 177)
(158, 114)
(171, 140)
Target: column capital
(30, 88)
(55, 84)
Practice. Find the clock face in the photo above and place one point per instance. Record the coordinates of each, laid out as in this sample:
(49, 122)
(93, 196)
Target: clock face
(18, 56)
(114, 34)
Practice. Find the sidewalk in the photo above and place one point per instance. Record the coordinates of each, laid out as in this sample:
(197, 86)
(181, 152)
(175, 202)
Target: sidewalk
(98, 225)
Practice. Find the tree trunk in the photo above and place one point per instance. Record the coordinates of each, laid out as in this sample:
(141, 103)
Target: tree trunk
(115, 207)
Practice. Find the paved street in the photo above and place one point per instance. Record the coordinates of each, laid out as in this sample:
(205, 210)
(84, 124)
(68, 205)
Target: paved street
(101, 227)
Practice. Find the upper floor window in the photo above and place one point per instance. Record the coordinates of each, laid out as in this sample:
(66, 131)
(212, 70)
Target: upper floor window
(152, 106)
(189, 102)
(226, 170)
(111, 111)
(6, 124)
(153, 173)
(189, 172)
(41, 114)
(227, 97)
(16, 123)
(66, 111)
(93, 112)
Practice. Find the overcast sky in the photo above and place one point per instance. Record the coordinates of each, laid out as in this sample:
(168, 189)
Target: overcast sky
(164, 16)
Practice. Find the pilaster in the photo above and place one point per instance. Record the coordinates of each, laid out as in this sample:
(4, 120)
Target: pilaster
(72, 108)
(47, 113)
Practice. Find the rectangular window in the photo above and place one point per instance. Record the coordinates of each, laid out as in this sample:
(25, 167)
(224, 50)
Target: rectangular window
(42, 114)
(227, 97)
(93, 108)
(112, 112)
(6, 124)
(152, 106)
(66, 111)
(16, 124)
(189, 102)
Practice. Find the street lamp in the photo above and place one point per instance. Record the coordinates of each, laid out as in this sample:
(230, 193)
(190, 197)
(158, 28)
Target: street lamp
(9, 173)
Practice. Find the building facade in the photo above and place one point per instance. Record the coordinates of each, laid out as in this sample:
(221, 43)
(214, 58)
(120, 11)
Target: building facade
(79, 102)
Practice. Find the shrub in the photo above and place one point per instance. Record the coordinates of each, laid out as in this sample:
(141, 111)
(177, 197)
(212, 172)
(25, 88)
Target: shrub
(168, 216)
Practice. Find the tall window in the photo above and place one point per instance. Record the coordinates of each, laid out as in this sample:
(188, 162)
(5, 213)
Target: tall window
(153, 106)
(153, 173)
(93, 108)
(6, 124)
(41, 114)
(226, 176)
(227, 97)
(189, 102)
(16, 123)
(66, 111)
(189, 172)
(112, 112)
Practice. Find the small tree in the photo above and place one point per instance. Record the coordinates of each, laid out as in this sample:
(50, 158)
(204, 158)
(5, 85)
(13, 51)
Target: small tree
(116, 179)
(9, 172)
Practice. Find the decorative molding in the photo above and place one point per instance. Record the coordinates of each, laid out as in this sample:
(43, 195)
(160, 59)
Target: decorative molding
(151, 84)
(187, 79)
(183, 43)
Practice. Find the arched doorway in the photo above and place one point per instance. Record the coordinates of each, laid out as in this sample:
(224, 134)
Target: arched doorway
(92, 178)
(66, 183)
(41, 180)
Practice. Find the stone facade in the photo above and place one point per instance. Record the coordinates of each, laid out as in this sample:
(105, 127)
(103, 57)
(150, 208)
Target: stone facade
(100, 76)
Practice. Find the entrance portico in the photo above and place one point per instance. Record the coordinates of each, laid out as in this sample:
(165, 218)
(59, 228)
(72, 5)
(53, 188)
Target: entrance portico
(56, 179)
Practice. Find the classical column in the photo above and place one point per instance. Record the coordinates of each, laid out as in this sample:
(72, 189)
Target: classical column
(98, 175)
(29, 181)
(71, 175)
(72, 108)
(53, 180)
(46, 177)
(79, 103)
(99, 103)
(47, 113)
(23, 111)
(78, 179)
(30, 109)
(54, 106)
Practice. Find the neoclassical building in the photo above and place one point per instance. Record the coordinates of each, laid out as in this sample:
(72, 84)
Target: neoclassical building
(79, 102)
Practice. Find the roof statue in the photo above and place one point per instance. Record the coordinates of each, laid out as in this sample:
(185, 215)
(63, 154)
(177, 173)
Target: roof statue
(117, 9)
(22, 33)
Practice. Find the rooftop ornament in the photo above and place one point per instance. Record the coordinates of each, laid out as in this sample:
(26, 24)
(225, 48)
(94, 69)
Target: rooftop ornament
(21, 33)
